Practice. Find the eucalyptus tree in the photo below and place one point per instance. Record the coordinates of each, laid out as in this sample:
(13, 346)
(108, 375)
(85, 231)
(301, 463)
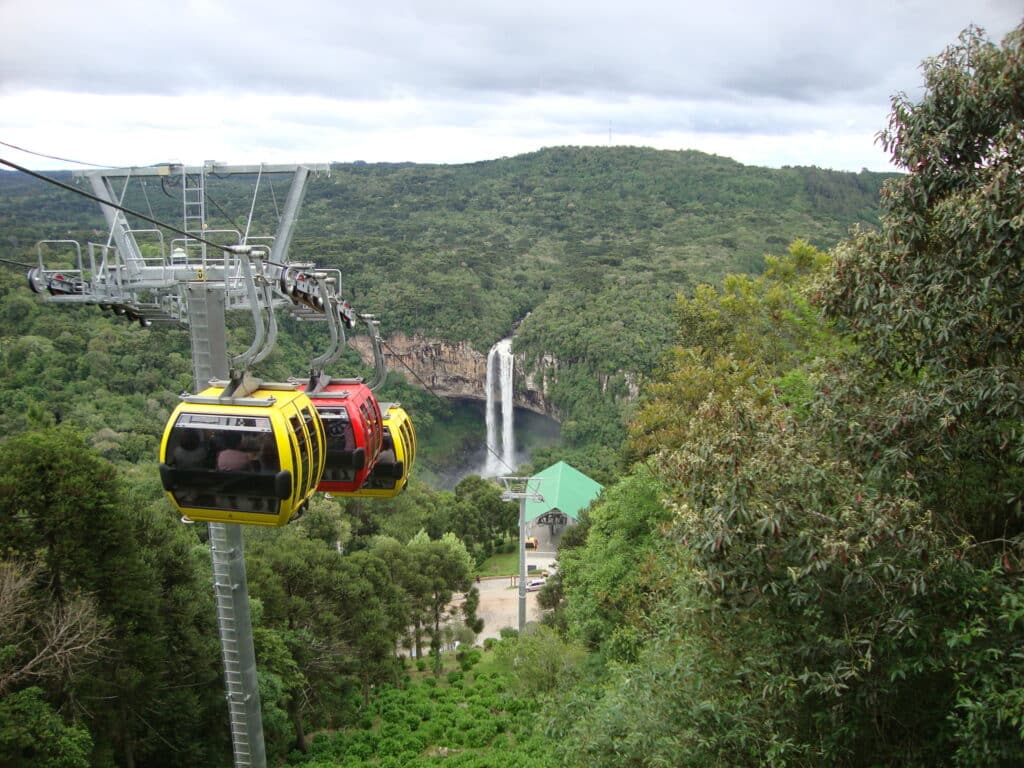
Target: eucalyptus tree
(935, 299)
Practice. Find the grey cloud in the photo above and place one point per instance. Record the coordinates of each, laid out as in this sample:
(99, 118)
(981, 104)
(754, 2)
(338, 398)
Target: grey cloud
(789, 49)
(521, 71)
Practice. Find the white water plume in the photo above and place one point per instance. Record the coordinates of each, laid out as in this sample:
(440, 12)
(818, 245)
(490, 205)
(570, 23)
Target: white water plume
(500, 453)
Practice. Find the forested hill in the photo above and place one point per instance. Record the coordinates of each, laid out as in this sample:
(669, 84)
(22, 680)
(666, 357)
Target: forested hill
(466, 251)
(506, 235)
(581, 251)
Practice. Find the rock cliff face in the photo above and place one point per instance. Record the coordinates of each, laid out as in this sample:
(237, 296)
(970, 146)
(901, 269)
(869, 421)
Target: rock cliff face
(457, 370)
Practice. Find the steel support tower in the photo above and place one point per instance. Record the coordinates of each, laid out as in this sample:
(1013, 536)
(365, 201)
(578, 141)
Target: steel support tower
(191, 281)
(522, 489)
(207, 328)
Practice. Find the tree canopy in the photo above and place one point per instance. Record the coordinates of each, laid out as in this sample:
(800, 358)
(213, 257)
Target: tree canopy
(841, 578)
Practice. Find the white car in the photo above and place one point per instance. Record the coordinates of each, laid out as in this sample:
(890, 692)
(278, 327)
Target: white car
(535, 584)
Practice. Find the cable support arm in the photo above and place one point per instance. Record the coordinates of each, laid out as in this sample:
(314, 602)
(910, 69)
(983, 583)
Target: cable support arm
(380, 369)
(329, 302)
(259, 348)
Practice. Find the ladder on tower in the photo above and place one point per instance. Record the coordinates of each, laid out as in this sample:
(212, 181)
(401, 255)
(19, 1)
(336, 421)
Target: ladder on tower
(203, 299)
(193, 191)
(224, 586)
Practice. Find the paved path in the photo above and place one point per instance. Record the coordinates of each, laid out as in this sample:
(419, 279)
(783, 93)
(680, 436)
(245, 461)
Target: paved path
(499, 599)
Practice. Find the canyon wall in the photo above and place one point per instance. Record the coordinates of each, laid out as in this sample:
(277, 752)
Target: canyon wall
(457, 370)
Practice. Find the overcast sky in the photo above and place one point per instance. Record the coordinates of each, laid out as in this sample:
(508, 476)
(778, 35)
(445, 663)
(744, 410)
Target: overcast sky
(452, 81)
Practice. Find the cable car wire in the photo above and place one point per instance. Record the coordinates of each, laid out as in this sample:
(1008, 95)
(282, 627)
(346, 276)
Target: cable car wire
(101, 201)
(150, 218)
(16, 263)
(410, 370)
(223, 213)
(431, 391)
(145, 194)
(51, 157)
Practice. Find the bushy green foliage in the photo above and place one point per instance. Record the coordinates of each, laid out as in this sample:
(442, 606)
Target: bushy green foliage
(689, 695)
(608, 578)
(539, 658)
(842, 573)
(473, 723)
(32, 735)
(934, 301)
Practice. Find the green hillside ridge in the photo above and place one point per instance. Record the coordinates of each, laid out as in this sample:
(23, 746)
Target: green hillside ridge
(497, 238)
(581, 250)
(506, 235)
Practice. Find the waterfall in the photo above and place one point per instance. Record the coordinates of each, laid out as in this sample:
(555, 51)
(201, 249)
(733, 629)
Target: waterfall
(499, 384)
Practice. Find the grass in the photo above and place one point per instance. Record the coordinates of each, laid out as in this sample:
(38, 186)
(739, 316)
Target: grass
(506, 564)
(448, 664)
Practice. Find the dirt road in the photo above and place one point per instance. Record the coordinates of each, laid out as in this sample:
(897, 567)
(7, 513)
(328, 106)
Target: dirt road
(499, 599)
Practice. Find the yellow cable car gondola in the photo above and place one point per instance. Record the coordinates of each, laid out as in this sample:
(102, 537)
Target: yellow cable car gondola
(391, 471)
(255, 459)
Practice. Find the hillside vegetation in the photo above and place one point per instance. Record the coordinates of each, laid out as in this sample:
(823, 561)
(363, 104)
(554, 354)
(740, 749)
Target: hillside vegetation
(581, 251)
(810, 552)
(466, 252)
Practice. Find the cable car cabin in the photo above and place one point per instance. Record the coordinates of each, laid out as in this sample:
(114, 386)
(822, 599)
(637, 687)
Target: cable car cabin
(354, 431)
(398, 453)
(254, 460)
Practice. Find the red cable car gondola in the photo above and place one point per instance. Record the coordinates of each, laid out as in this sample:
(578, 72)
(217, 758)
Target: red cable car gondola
(353, 427)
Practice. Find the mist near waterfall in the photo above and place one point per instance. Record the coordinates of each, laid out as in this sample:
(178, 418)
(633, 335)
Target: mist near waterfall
(532, 431)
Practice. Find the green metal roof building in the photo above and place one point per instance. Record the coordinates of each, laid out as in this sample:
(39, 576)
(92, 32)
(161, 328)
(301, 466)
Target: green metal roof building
(565, 490)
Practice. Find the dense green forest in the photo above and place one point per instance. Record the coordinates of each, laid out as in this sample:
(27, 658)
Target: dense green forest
(581, 251)
(809, 550)
(505, 236)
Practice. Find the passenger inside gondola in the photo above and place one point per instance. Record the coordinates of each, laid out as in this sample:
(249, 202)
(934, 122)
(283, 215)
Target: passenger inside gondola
(341, 464)
(216, 465)
(191, 452)
(225, 462)
(231, 457)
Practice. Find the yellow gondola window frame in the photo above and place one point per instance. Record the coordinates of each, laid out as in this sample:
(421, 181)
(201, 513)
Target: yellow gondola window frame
(221, 492)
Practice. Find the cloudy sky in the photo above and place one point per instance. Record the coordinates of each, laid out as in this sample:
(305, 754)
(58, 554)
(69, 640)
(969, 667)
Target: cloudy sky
(789, 82)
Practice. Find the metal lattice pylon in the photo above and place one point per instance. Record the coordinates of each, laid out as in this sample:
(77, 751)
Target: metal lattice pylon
(522, 489)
